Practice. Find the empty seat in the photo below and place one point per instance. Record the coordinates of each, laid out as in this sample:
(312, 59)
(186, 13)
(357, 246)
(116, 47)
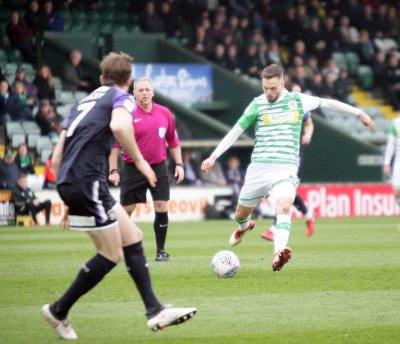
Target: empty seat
(44, 155)
(14, 128)
(17, 139)
(43, 142)
(31, 140)
(80, 94)
(66, 97)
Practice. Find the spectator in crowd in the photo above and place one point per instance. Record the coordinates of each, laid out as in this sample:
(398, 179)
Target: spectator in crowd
(219, 30)
(331, 36)
(172, 20)
(20, 37)
(331, 67)
(379, 68)
(342, 86)
(274, 54)
(55, 21)
(8, 171)
(291, 30)
(218, 56)
(316, 85)
(299, 50)
(26, 202)
(251, 62)
(19, 106)
(30, 88)
(311, 67)
(192, 170)
(216, 177)
(348, 34)
(48, 120)
(23, 160)
(315, 41)
(45, 85)
(149, 19)
(329, 90)
(365, 48)
(34, 18)
(233, 61)
(393, 23)
(73, 76)
(244, 33)
(199, 42)
(4, 100)
(49, 175)
(392, 77)
(234, 175)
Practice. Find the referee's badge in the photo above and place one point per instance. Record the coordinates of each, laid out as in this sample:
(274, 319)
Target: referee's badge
(161, 132)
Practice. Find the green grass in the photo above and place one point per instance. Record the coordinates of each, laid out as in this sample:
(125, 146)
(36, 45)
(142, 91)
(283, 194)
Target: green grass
(341, 286)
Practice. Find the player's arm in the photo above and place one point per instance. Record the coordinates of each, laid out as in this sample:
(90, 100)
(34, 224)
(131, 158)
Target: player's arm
(336, 105)
(58, 152)
(113, 175)
(176, 154)
(389, 152)
(308, 126)
(122, 128)
(224, 145)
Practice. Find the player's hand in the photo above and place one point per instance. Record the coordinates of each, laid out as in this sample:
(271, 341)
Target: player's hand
(366, 120)
(64, 221)
(387, 170)
(305, 139)
(114, 178)
(147, 171)
(208, 163)
(179, 174)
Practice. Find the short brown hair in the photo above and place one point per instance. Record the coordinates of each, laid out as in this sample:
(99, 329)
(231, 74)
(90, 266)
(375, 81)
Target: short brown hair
(272, 71)
(116, 68)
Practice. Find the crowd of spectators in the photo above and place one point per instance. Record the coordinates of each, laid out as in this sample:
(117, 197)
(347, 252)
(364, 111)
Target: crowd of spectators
(240, 35)
(245, 36)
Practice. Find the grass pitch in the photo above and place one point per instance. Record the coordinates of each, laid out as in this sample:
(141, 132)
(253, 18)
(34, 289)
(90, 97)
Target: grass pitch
(341, 286)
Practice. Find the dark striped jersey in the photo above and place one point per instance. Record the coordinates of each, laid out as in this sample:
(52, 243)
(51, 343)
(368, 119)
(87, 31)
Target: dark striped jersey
(89, 138)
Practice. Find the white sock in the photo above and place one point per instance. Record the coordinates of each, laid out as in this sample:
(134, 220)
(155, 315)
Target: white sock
(243, 224)
(282, 231)
(309, 215)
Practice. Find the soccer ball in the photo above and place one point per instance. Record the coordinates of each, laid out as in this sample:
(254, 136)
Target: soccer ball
(225, 264)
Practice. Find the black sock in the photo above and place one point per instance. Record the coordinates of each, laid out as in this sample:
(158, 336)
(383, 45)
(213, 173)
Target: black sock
(300, 205)
(89, 276)
(160, 226)
(137, 267)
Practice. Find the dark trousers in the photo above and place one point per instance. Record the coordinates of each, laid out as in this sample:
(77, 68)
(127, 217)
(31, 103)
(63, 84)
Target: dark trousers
(33, 209)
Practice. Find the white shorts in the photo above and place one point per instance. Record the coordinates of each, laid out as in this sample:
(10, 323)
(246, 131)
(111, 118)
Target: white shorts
(262, 180)
(396, 176)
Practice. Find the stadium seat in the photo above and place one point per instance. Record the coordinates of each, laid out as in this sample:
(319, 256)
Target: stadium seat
(79, 95)
(43, 142)
(44, 155)
(57, 83)
(31, 127)
(17, 139)
(107, 28)
(353, 62)
(67, 97)
(63, 110)
(107, 17)
(14, 56)
(93, 16)
(340, 59)
(3, 57)
(14, 128)
(365, 76)
(31, 140)
(93, 27)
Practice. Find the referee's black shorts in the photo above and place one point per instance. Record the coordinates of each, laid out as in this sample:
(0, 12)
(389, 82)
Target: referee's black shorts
(134, 184)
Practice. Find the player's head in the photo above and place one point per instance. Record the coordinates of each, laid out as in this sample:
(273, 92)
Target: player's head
(272, 82)
(143, 91)
(116, 69)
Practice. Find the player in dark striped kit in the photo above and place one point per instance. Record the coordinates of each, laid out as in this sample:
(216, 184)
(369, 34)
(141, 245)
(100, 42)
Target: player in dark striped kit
(81, 159)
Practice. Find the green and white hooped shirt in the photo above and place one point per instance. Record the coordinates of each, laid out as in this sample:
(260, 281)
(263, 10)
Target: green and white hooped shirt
(278, 125)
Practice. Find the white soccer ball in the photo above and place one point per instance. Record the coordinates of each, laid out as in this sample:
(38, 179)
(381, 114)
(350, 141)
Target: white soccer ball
(225, 264)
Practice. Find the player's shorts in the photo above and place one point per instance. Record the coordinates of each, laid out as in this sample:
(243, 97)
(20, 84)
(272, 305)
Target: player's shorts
(91, 206)
(134, 185)
(396, 176)
(262, 178)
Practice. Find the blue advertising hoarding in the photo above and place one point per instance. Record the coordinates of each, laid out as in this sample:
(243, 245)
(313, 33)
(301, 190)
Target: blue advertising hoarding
(186, 83)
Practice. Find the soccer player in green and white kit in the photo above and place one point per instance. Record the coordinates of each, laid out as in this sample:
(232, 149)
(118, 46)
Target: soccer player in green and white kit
(393, 150)
(277, 116)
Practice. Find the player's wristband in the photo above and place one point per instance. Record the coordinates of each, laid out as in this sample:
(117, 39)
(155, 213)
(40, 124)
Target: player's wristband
(179, 164)
(114, 170)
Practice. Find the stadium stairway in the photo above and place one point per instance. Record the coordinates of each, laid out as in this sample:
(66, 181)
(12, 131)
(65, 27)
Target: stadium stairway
(364, 99)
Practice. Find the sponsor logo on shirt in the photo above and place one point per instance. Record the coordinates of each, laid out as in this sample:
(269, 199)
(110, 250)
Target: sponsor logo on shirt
(161, 132)
(290, 116)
